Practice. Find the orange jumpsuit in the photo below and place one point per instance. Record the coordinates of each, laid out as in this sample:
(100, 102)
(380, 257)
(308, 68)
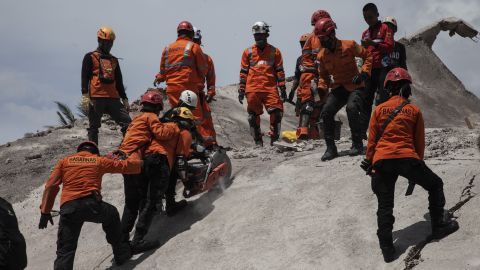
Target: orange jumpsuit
(404, 137)
(261, 72)
(205, 127)
(309, 69)
(178, 145)
(81, 174)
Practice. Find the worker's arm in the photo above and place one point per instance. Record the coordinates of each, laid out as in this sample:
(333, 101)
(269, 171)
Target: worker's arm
(51, 188)
(162, 131)
(367, 57)
(211, 78)
(128, 166)
(244, 68)
(200, 60)
(372, 134)
(387, 43)
(323, 75)
(119, 82)
(160, 77)
(419, 136)
(184, 144)
(279, 71)
(87, 66)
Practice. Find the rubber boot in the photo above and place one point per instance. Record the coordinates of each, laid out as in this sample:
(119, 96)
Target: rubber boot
(122, 253)
(331, 151)
(143, 245)
(172, 207)
(387, 247)
(273, 138)
(443, 225)
(259, 143)
(357, 147)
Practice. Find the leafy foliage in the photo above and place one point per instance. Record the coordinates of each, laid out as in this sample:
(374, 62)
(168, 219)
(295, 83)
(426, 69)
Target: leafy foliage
(65, 115)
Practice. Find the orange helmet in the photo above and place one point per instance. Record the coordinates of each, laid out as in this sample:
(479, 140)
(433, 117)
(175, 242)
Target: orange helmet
(324, 27)
(319, 14)
(397, 74)
(185, 25)
(106, 33)
(304, 37)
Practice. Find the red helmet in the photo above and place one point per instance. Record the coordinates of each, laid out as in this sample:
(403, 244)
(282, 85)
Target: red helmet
(397, 74)
(185, 25)
(319, 14)
(88, 144)
(324, 27)
(152, 97)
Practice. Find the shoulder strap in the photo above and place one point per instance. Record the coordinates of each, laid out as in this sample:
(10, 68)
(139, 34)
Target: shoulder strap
(389, 119)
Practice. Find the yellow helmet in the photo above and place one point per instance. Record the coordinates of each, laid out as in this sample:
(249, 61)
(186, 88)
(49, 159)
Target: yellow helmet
(106, 33)
(185, 113)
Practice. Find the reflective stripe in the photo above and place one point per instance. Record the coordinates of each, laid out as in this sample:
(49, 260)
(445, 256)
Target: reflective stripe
(270, 62)
(306, 51)
(316, 50)
(186, 60)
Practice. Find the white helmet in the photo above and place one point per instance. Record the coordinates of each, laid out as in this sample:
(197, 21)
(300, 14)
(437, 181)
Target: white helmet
(260, 28)
(197, 33)
(391, 20)
(189, 98)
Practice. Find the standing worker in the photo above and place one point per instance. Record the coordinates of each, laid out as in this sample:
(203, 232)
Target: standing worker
(378, 40)
(206, 127)
(102, 86)
(311, 98)
(80, 175)
(396, 145)
(398, 58)
(261, 73)
(338, 71)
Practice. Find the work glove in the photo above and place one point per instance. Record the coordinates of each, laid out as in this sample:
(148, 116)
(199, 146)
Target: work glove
(359, 78)
(156, 81)
(117, 155)
(85, 102)
(283, 93)
(366, 165)
(241, 96)
(126, 104)
(44, 219)
(209, 98)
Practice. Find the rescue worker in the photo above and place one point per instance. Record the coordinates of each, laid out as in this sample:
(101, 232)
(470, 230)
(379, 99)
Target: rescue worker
(261, 73)
(206, 127)
(310, 96)
(13, 249)
(298, 72)
(399, 151)
(141, 191)
(81, 176)
(338, 71)
(398, 58)
(184, 66)
(377, 39)
(102, 86)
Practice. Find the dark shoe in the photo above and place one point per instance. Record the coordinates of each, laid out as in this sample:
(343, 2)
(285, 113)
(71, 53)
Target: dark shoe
(172, 207)
(388, 253)
(356, 150)
(143, 245)
(122, 254)
(259, 143)
(445, 228)
(273, 139)
(330, 153)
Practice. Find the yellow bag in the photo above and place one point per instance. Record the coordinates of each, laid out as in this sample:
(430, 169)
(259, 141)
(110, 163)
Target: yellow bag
(289, 135)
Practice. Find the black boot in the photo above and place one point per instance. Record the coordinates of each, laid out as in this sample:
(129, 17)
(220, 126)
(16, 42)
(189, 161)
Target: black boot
(443, 225)
(357, 146)
(143, 245)
(388, 253)
(274, 138)
(331, 151)
(122, 253)
(172, 207)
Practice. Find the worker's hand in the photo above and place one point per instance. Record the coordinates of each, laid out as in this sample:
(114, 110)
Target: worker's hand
(359, 78)
(209, 98)
(44, 219)
(85, 102)
(283, 93)
(241, 95)
(117, 155)
(126, 104)
(366, 165)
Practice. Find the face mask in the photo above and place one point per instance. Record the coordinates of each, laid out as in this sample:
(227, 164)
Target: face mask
(406, 90)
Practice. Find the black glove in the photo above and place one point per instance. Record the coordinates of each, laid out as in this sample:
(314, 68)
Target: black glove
(366, 165)
(283, 93)
(359, 78)
(241, 96)
(44, 219)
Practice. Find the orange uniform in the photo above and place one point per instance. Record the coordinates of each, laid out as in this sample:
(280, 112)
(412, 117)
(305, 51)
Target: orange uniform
(340, 65)
(81, 174)
(308, 67)
(179, 145)
(183, 66)
(210, 77)
(404, 136)
(203, 112)
(143, 129)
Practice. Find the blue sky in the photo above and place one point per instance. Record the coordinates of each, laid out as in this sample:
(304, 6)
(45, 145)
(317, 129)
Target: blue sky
(43, 42)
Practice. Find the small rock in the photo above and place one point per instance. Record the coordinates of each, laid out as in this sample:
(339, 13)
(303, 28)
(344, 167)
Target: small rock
(33, 157)
(8, 145)
(8, 161)
(289, 154)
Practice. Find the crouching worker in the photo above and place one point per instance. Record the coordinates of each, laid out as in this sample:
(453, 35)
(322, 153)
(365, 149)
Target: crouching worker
(396, 145)
(142, 191)
(81, 176)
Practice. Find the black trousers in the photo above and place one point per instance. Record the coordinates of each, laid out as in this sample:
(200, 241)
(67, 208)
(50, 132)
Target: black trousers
(385, 175)
(13, 249)
(142, 193)
(110, 106)
(374, 85)
(72, 216)
(338, 98)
